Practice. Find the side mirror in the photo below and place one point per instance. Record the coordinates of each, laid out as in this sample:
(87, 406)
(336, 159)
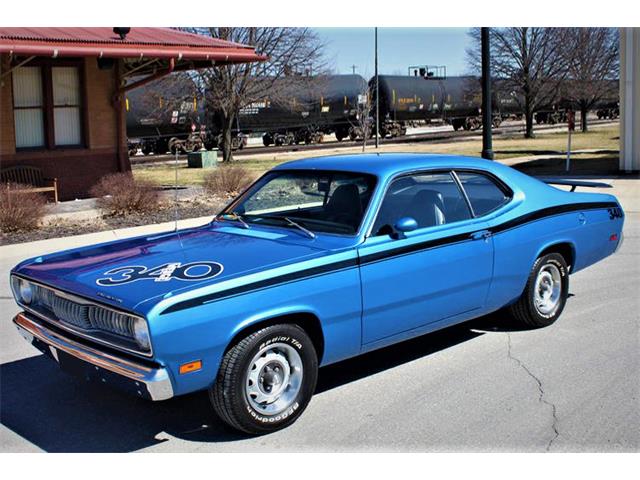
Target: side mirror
(404, 225)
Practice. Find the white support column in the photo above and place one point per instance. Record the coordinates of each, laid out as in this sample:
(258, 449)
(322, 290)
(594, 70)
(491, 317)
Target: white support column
(630, 99)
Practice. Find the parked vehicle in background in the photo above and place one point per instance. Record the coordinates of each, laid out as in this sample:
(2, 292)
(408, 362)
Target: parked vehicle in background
(318, 261)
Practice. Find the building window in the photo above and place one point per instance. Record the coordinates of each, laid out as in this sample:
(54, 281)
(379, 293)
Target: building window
(66, 105)
(47, 103)
(28, 104)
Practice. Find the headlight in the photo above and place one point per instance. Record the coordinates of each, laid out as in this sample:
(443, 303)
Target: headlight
(22, 290)
(141, 333)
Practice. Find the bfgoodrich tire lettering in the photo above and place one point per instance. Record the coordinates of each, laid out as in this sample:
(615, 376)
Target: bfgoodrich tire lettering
(266, 380)
(545, 294)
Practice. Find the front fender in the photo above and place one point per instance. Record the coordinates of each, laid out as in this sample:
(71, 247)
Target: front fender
(205, 332)
(271, 314)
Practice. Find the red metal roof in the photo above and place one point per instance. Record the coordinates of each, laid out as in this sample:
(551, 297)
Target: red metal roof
(141, 42)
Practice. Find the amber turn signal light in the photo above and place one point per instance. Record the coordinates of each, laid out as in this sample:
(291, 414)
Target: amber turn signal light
(190, 367)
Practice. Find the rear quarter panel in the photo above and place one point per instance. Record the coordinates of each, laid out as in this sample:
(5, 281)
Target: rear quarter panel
(587, 231)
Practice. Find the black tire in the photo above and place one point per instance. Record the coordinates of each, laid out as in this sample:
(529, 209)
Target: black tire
(524, 310)
(229, 396)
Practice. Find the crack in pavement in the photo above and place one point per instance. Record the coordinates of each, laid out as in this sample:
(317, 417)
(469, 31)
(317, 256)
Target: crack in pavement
(541, 398)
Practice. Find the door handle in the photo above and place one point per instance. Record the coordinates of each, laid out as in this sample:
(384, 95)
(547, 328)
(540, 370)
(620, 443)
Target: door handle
(481, 235)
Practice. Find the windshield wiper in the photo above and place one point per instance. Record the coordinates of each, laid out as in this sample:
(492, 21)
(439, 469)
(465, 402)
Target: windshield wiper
(235, 216)
(308, 232)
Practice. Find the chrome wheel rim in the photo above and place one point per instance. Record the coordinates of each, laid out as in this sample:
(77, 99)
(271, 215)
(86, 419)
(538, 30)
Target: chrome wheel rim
(548, 288)
(274, 378)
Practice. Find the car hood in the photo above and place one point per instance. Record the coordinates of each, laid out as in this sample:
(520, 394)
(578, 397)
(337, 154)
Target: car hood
(126, 273)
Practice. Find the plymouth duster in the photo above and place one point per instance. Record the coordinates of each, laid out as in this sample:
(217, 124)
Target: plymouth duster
(319, 260)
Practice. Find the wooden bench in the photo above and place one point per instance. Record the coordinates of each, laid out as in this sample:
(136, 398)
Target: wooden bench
(28, 175)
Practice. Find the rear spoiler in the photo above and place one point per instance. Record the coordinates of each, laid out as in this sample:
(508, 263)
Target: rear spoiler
(574, 183)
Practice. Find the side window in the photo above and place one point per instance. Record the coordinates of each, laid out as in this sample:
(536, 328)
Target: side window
(431, 199)
(484, 194)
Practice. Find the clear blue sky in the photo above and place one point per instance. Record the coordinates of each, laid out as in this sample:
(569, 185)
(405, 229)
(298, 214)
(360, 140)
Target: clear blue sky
(397, 49)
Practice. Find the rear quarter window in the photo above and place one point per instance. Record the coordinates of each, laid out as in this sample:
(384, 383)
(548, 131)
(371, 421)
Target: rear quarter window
(485, 195)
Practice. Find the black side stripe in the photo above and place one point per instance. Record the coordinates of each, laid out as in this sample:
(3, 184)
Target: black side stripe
(549, 212)
(269, 282)
(378, 256)
(416, 247)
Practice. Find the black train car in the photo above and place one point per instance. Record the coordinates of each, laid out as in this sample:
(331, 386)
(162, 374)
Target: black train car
(303, 109)
(406, 99)
(568, 99)
(454, 100)
(166, 115)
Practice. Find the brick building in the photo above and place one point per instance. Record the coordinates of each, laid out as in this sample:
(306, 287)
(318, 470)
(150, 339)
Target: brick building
(62, 93)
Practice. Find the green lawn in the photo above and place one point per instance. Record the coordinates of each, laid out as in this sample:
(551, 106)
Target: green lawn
(548, 146)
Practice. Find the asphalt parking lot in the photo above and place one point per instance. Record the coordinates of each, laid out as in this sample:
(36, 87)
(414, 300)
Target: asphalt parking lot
(481, 386)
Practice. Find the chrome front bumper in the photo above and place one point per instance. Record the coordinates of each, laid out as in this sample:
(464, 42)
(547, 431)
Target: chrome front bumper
(152, 383)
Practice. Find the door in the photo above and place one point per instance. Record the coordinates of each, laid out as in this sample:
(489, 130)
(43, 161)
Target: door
(440, 270)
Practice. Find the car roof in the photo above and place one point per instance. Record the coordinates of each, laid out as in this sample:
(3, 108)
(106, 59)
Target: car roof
(388, 164)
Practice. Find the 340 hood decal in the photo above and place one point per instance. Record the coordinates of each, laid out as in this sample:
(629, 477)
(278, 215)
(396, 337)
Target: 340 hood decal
(192, 271)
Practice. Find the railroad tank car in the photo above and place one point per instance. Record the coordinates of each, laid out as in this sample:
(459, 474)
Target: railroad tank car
(170, 115)
(454, 100)
(567, 99)
(166, 115)
(304, 109)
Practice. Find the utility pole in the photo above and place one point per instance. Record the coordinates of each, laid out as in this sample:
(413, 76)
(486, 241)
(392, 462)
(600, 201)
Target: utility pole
(377, 92)
(353, 69)
(487, 114)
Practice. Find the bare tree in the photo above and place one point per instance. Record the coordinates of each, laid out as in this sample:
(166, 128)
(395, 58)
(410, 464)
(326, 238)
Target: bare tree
(292, 53)
(362, 126)
(593, 67)
(530, 61)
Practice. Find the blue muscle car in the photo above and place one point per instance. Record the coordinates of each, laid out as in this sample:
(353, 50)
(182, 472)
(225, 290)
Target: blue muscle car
(319, 260)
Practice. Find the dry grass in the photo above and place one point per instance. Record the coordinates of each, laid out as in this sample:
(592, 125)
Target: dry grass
(505, 147)
(20, 211)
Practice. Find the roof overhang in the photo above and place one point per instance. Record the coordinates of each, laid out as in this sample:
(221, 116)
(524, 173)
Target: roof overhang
(188, 51)
(201, 54)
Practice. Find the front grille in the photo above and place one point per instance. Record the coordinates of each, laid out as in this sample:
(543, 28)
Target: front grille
(81, 315)
(70, 312)
(111, 321)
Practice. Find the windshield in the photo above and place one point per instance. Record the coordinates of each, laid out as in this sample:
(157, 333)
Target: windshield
(317, 201)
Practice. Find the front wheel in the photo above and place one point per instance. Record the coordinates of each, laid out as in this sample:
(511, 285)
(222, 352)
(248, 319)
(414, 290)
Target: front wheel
(266, 380)
(545, 294)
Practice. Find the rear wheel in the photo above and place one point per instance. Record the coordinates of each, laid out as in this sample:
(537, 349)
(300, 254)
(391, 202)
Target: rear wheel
(545, 294)
(266, 380)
